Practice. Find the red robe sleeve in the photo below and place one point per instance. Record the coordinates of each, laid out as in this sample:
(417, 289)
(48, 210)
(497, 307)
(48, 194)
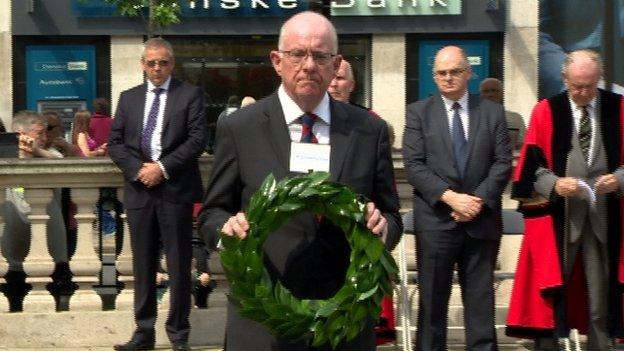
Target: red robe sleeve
(531, 310)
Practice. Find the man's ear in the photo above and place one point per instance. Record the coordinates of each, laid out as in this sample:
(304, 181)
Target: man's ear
(276, 61)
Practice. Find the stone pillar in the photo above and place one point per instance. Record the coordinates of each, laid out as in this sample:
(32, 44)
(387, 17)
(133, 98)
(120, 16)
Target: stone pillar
(124, 260)
(38, 263)
(520, 57)
(125, 65)
(85, 261)
(3, 263)
(6, 56)
(388, 82)
(520, 85)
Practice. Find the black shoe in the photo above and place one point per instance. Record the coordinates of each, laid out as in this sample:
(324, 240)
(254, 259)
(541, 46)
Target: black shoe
(180, 346)
(134, 345)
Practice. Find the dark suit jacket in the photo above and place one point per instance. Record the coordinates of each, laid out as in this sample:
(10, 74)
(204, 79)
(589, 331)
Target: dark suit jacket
(183, 140)
(253, 143)
(431, 170)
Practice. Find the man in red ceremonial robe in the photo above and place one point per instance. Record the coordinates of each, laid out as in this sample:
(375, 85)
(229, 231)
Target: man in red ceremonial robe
(569, 180)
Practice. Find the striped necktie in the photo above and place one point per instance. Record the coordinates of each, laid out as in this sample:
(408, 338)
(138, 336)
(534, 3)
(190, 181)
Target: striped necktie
(150, 125)
(585, 133)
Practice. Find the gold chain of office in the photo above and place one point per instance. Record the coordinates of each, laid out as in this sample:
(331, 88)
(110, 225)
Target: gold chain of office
(369, 275)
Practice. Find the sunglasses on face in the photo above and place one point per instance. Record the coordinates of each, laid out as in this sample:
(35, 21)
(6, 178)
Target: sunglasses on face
(153, 63)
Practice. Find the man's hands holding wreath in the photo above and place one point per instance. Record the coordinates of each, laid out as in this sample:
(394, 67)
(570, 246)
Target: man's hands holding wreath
(375, 222)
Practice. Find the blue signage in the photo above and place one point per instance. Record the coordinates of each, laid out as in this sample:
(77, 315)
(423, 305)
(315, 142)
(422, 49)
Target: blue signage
(60, 72)
(205, 8)
(478, 52)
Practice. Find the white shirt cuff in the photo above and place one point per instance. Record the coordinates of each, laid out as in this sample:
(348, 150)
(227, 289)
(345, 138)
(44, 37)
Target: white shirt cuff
(162, 168)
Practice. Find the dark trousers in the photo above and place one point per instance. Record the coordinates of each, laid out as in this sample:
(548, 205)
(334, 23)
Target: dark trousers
(596, 266)
(437, 253)
(170, 224)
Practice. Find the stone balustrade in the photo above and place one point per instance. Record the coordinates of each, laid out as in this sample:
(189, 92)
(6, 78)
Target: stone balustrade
(89, 266)
(36, 180)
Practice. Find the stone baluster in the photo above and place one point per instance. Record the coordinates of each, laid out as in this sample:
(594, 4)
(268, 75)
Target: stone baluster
(124, 260)
(86, 262)
(3, 263)
(38, 263)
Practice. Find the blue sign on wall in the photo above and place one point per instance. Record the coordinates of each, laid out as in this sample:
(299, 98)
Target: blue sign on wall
(205, 8)
(478, 52)
(60, 72)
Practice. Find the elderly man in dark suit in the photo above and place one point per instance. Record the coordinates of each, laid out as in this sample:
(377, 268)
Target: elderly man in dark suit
(156, 137)
(457, 157)
(308, 258)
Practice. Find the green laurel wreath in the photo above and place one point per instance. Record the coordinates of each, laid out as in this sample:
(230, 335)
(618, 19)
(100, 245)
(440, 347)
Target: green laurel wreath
(368, 277)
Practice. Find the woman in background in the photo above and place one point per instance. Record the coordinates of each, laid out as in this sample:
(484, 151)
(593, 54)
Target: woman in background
(101, 121)
(80, 136)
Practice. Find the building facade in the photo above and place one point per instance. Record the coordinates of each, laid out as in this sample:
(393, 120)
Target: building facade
(66, 52)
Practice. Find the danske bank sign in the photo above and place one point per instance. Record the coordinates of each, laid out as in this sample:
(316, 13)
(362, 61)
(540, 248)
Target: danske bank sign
(283, 8)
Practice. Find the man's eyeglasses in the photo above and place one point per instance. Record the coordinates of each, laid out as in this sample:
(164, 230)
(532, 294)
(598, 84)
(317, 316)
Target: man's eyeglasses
(298, 56)
(488, 91)
(153, 63)
(452, 72)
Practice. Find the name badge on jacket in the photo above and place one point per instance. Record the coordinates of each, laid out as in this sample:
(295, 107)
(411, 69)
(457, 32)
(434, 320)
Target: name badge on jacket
(307, 156)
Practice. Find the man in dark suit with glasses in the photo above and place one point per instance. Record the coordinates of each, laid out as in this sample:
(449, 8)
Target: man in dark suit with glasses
(156, 137)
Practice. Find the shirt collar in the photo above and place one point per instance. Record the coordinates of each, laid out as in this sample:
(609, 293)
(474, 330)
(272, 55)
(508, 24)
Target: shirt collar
(463, 102)
(292, 111)
(164, 86)
(591, 105)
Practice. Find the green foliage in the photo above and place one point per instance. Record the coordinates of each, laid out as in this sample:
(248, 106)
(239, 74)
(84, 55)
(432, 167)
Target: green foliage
(157, 13)
(369, 276)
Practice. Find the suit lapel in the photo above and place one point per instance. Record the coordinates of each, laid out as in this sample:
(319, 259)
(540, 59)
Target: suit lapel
(142, 97)
(474, 118)
(340, 139)
(171, 98)
(276, 131)
(441, 119)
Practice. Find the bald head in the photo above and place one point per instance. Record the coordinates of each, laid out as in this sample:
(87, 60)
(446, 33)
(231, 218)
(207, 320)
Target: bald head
(345, 67)
(585, 57)
(451, 72)
(306, 60)
(343, 83)
(451, 53)
(581, 71)
(305, 23)
(492, 89)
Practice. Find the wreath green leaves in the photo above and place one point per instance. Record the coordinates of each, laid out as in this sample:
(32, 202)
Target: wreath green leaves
(368, 277)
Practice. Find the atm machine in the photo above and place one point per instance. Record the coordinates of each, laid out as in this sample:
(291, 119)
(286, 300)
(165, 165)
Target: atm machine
(61, 78)
(65, 109)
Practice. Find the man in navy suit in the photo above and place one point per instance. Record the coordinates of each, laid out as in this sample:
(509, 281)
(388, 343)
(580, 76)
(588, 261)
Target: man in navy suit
(157, 135)
(457, 157)
(308, 257)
